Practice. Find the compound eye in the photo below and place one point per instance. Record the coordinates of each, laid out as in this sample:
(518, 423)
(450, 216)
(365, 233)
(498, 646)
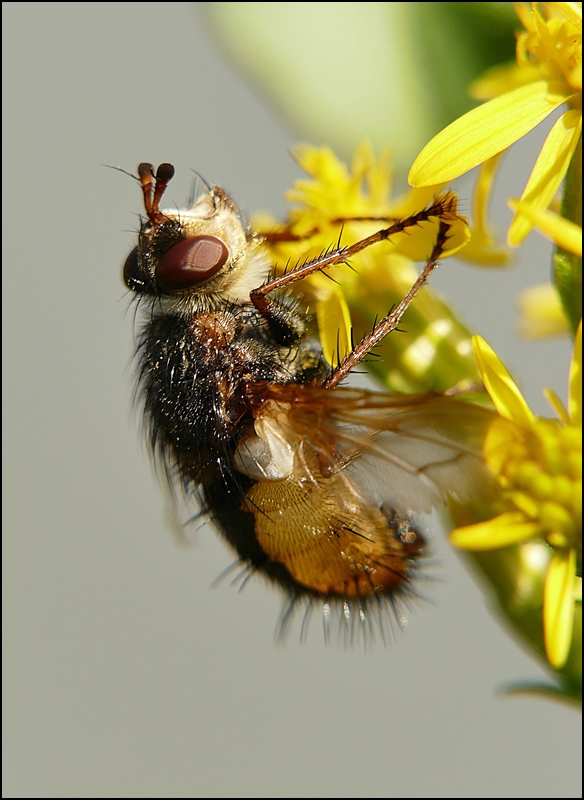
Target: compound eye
(190, 262)
(130, 269)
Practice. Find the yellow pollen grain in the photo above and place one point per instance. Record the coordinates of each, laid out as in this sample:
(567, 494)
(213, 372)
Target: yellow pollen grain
(556, 518)
(526, 504)
(552, 456)
(522, 473)
(570, 437)
(563, 490)
(542, 486)
(574, 465)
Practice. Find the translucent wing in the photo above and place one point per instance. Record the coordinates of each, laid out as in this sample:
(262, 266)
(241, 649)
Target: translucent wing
(339, 476)
(410, 452)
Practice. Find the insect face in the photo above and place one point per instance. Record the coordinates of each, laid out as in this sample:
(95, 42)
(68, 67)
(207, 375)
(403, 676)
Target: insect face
(194, 257)
(313, 484)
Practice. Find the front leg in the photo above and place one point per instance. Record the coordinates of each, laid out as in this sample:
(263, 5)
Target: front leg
(443, 207)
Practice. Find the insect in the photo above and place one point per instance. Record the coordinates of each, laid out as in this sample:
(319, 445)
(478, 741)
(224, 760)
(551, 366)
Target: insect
(313, 484)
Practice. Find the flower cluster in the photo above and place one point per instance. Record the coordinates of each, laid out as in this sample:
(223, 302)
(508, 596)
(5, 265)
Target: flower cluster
(538, 465)
(547, 75)
(338, 204)
(532, 529)
(537, 462)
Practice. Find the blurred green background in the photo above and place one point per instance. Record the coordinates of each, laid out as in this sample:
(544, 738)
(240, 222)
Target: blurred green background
(392, 73)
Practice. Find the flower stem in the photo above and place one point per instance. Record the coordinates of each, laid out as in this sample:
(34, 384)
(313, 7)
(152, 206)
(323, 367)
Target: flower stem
(568, 266)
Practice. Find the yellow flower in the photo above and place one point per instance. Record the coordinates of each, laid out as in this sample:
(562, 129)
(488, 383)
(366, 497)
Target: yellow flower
(484, 250)
(538, 465)
(547, 75)
(337, 204)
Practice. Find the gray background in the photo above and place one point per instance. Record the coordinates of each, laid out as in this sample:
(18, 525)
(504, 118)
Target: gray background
(125, 675)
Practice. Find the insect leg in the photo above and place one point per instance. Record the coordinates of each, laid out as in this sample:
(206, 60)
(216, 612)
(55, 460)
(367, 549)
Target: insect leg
(444, 206)
(391, 321)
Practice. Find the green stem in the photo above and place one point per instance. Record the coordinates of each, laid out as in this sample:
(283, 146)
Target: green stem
(568, 266)
(516, 590)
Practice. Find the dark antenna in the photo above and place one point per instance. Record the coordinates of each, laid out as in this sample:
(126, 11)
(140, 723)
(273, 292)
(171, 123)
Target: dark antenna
(153, 187)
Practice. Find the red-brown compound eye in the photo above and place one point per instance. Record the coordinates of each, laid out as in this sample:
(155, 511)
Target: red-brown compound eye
(190, 262)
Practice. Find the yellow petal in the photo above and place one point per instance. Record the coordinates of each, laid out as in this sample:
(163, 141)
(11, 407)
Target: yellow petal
(482, 249)
(571, 12)
(501, 78)
(556, 404)
(525, 15)
(482, 195)
(508, 528)
(563, 232)
(541, 314)
(503, 390)
(501, 438)
(484, 132)
(379, 178)
(481, 253)
(457, 237)
(548, 172)
(558, 607)
(320, 162)
(575, 385)
(334, 325)
(363, 159)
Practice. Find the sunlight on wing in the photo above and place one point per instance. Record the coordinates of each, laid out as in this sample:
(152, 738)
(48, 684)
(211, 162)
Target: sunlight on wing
(406, 452)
